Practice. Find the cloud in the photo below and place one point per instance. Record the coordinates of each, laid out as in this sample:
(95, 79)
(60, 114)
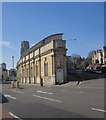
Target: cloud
(7, 45)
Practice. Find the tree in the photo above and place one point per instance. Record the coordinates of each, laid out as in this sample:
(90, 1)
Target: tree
(90, 54)
(76, 59)
(75, 56)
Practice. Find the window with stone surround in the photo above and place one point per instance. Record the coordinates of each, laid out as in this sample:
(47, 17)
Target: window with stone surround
(45, 68)
(36, 70)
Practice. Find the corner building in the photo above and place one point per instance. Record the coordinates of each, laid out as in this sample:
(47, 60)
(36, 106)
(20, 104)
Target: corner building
(46, 60)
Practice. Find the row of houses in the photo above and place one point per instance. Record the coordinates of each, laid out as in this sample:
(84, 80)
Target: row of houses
(95, 58)
(99, 56)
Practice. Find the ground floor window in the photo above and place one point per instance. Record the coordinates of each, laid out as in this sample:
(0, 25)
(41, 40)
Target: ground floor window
(36, 70)
(46, 69)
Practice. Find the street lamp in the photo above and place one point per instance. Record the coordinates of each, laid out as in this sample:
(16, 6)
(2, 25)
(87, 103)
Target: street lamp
(13, 61)
(72, 39)
(13, 71)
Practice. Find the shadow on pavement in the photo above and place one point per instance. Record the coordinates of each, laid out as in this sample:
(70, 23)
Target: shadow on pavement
(40, 110)
(3, 99)
(84, 76)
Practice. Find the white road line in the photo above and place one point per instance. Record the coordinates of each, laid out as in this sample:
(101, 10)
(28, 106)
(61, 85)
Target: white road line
(44, 92)
(10, 96)
(17, 91)
(99, 110)
(14, 115)
(93, 87)
(61, 90)
(48, 98)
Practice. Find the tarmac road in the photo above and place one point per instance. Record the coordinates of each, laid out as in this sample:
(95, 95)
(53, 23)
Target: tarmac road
(85, 100)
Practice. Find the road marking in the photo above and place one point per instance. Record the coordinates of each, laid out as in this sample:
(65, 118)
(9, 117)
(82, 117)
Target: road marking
(14, 115)
(17, 91)
(99, 110)
(47, 98)
(81, 92)
(92, 87)
(61, 90)
(44, 92)
(10, 96)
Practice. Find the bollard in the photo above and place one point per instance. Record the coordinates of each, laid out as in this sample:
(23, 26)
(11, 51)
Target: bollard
(17, 84)
(41, 81)
(12, 84)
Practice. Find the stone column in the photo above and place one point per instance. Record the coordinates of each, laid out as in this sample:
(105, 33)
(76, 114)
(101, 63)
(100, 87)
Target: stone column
(25, 72)
(34, 71)
(29, 77)
(52, 64)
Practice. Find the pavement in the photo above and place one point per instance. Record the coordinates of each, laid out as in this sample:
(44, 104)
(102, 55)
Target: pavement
(69, 100)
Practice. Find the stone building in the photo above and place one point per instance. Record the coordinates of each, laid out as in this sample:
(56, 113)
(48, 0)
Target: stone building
(97, 57)
(104, 54)
(11, 74)
(3, 72)
(45, 61)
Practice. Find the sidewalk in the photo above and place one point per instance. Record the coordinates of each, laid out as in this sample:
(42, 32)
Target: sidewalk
(6, 115)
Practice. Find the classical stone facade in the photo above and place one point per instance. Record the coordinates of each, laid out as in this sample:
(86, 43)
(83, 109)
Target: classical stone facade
(3, 72)
(45, 61)
(99, 56)
(104, 54)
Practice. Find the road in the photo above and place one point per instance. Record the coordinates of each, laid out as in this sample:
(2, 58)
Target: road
(85, 100)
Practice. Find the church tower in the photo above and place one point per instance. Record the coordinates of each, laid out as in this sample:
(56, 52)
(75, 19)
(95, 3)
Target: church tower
(24, 46)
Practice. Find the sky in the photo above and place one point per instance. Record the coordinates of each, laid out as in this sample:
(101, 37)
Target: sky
(33, 21)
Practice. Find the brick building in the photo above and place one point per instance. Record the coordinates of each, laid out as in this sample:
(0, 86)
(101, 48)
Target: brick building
(44, 61)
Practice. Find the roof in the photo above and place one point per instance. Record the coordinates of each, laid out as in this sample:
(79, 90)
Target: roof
(53, 35)
(40, 44)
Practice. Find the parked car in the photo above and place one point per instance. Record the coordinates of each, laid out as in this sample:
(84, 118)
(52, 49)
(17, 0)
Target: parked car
(104, 69)
(98, 71)
(71, 70)
(88, 70)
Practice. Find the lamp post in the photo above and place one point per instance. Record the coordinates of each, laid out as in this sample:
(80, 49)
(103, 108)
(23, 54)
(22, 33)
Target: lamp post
(13, 61)
(13, 71)
(72, 39)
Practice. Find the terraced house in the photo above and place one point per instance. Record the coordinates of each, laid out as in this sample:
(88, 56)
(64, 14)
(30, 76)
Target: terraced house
(45, 62)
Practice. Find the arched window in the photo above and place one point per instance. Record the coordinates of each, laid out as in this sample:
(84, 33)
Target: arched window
(45, 68)
(36, 70)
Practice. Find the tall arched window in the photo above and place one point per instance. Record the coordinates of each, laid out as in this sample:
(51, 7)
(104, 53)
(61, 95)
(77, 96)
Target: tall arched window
(36, 68)
(45, 68)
